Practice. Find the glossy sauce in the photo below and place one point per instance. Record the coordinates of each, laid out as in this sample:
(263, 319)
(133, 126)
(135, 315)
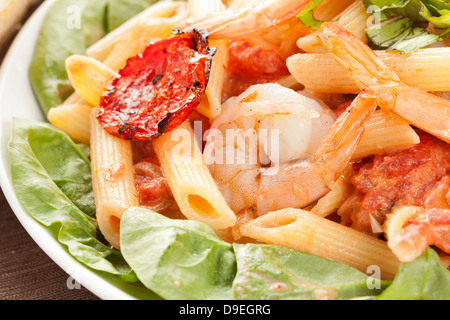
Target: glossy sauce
(417, 176)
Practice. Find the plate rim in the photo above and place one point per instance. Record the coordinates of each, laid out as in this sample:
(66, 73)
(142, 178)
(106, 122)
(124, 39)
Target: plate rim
(89, 279)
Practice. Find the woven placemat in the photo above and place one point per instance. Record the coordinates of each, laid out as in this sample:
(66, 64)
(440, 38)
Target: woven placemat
(26, 272)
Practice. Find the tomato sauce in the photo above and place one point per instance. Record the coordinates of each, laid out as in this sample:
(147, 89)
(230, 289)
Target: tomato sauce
(252, 64)
(417, 176)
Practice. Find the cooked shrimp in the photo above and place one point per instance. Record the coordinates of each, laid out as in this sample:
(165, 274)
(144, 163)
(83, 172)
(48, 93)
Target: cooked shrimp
(256, 18)
(421, 109)
(311, 152)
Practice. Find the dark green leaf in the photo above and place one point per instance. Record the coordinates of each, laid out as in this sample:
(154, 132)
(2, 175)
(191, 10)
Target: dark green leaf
(307, 15)
(177, 259)
(120, 11)
(386, 4)
(69, 28)
(423, 279)
(275, 273)
(388, 33)
(400, 34)
(47, 169)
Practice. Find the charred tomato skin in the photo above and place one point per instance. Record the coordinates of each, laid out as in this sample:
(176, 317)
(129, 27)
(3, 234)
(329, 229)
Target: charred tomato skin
(158, 89)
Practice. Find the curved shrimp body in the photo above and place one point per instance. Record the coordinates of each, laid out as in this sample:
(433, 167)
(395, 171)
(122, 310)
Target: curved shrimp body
(267, 126)
(299, 183)
(256, 18)
(423, 110)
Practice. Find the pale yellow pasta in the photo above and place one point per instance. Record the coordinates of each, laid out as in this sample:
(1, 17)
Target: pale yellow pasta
(211, 105)
(204, 7)
(101, 49)
(309, 233)
(354, 18)
(75, 98)
(425, 69)
(139, 38)
(89, 77)
(290, 82)
(385, 132)
(329, 9)
(72, 119)
(112, 180)
(189, 179)
(331, 202)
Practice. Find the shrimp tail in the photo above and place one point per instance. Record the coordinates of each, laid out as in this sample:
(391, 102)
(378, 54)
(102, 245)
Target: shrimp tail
(340, 144)
(246, 22)
(421, 109)
(364, 67)
(298, 184)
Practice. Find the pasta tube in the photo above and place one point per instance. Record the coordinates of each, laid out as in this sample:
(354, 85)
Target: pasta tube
(333, 200)
(101, 49)
(112, 180)
(137, 40)
(354, 19)
(213, 106)
(385, 132)
(424, 69)
(89, 77)
(72, 119)
(312, 234)
(189, 179)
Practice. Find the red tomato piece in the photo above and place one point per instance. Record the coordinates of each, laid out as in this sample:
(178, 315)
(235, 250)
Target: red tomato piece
(157, 90)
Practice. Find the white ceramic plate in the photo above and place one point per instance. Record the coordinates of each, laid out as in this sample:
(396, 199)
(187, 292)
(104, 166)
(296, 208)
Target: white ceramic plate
(17, 100)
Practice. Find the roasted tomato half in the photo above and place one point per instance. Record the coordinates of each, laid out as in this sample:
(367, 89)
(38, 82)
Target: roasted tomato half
(158, 89)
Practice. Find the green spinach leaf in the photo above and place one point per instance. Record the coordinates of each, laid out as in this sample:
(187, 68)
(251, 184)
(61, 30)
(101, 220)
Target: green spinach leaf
(307, 15)
(69, 28)
(120, 11)
(177, 259)
(393, 15)
(422, 279)
(51, 177)
(278, 273)
(400, 34)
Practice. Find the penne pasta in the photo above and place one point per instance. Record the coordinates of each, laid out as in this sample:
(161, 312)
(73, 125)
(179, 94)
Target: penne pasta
(138, 39)
(354, 18)
(101, 49)
(291, 83)
(312, 234)
(424, 69)
(89, 77)
(329, 9)
(189, 179)
(112, 180)
(203, 7)
(333, 200)
(75, 98)
(74, 120)
(385, 132)
(211, 105)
